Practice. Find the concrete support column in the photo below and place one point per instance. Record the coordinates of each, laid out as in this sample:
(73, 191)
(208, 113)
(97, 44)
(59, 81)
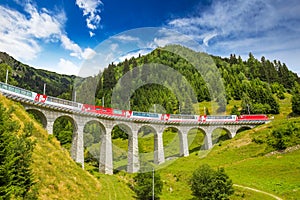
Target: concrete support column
(49, 127)
(208, 140)
(159, 154)
(232, 133)
(184, 146)
(106, 154)
(77, 150)
(133, 153)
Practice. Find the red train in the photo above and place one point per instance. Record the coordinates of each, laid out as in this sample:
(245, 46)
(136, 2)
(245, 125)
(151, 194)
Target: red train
(12, 90)
(172, 117)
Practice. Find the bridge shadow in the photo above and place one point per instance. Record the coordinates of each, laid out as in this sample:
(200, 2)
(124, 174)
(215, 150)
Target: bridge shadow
(290, 115)
(196, 149)
(119, 169)
(220, 139)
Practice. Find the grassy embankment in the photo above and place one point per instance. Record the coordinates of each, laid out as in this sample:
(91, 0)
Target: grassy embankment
(244, 161)
(57, 176)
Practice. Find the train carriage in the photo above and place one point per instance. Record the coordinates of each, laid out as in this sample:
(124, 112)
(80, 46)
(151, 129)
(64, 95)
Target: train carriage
(221, 118)
(183, 118)
(254, 117)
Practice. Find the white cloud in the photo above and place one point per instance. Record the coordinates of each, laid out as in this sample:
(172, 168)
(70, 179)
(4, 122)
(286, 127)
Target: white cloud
(88, 53)
(208, 37)
(114, 47)
(70, 45)
(126, 38)
(167, 36)
(91, 34)
(22, 35)
(91, 9)
(239, 18)
(133, 54)
(42, 24)
(238, 26)
(67, 67)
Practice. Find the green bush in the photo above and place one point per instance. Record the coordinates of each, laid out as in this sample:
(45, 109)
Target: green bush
(284, 136)
(143, 185)
(209, 184)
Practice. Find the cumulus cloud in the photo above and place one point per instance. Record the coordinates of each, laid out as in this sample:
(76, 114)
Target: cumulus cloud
(238, 26)
(88, 53)
(21, 33)
(76, 50)
(91, 10)
(67, 67)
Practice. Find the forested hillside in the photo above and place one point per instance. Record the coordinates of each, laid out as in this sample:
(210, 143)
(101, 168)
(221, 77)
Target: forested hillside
(257, 82)
(33, 79)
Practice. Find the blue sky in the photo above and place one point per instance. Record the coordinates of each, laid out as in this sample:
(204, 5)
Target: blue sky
(63, 35)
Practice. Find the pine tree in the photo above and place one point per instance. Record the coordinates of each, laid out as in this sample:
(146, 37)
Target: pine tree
(16, 178)
(125, 67)
(296, 99)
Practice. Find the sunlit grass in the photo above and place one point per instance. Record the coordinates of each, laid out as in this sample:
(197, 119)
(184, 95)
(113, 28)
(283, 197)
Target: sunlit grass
(57, 176)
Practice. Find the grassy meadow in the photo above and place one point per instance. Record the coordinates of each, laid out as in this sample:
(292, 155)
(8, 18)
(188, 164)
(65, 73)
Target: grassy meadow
(247, 163)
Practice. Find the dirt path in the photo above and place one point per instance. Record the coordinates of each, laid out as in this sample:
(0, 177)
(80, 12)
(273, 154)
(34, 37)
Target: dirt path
(248, 188)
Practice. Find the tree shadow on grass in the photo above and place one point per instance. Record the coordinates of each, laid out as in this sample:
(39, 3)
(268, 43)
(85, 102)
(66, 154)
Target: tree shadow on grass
(290, 115)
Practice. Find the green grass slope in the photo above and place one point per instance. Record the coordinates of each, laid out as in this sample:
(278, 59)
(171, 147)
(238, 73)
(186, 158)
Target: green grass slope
(247, 163)
(57, 176)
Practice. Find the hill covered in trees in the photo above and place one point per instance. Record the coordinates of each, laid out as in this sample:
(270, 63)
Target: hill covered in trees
(257, 82)
(27, 77)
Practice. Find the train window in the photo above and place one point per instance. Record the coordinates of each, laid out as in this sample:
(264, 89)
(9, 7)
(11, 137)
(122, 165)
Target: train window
(174, 116)
(153, 115)
(11, 89)
(118, 112)
(187, 117)
(17, 90)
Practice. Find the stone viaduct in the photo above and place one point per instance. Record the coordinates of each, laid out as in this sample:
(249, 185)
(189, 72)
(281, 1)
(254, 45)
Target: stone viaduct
(49, 113)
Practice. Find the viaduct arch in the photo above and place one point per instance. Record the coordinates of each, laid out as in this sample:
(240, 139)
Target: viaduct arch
(132, 128)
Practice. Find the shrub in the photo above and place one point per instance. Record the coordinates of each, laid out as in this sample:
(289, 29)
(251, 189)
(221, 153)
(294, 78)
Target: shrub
(207, 183)
(144, 185)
